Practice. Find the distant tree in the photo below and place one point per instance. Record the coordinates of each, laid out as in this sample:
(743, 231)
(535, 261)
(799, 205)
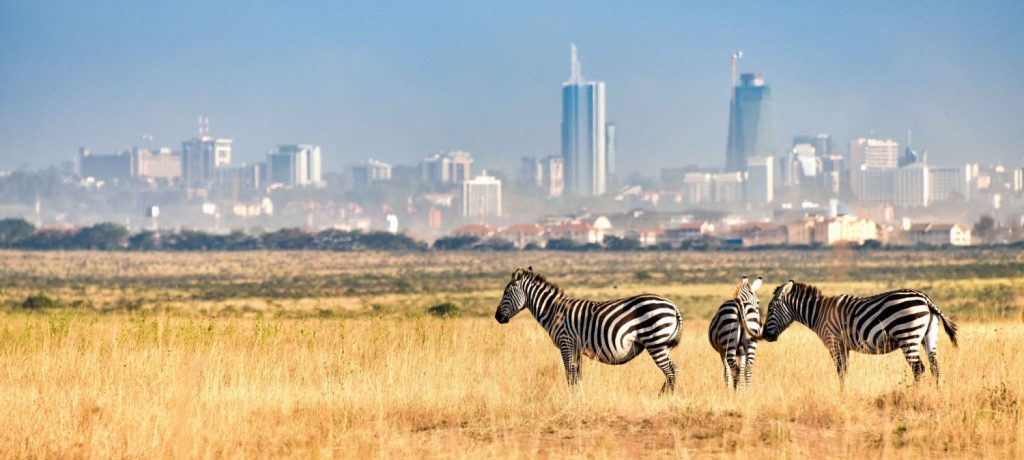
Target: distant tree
(495, 244)
(48, 239)
(105, 236)
(562, 244)
(288, 239)
(454, 243)
(985, 228)
(146, 240)
(14, 231)
(614, 243)
(384, 241)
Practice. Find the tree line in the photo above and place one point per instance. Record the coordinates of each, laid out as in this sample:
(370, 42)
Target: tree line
(20, 234)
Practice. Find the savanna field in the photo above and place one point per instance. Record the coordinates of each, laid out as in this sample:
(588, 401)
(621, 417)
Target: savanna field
(277, 354)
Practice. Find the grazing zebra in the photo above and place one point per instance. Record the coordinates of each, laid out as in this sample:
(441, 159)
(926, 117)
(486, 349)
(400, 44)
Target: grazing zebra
(612, 332)
(903, 319)
(730, 339)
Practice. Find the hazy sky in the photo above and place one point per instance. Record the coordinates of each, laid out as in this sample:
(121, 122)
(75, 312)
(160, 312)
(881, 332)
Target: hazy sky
(399, 81)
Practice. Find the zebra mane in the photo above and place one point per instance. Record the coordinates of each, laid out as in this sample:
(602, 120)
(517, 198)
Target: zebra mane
(537, 277)
(808, 289)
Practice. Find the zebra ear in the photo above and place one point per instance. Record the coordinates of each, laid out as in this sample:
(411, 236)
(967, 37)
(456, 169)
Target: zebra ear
(530, 269)
(755, 285)
(787, 287)
(744, 280)
(517, 275)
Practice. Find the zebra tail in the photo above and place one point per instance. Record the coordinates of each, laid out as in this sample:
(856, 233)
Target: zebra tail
(947, 323)
(674, 340)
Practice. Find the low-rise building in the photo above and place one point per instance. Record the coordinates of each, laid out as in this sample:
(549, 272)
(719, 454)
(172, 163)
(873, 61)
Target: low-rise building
(522, 235)
(937, 234)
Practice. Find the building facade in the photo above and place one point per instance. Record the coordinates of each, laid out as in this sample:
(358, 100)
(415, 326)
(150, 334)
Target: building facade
(751, 126)
(364, 175)
(481, 197)
(584, 134)
(200, 158)
(448, 168)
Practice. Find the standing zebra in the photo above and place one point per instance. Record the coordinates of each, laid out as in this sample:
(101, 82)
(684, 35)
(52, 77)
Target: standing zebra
(729, 339)
(903, 319)
(612, 332)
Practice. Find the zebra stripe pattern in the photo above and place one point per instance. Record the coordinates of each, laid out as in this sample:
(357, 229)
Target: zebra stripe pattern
(730, 339)
(612, 332)
(905, 319)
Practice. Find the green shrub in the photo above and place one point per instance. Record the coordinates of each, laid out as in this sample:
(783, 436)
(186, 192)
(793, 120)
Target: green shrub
(38, 302)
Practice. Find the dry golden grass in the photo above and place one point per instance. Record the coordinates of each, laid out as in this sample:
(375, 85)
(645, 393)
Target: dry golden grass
(162, 386)
(255, 354)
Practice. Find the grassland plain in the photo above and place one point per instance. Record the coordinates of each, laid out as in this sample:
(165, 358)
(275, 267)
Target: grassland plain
(331, 355)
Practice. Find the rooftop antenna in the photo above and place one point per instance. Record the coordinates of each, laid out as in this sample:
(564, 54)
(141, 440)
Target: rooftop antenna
(577, 73)
(204, 126)
(733, 57)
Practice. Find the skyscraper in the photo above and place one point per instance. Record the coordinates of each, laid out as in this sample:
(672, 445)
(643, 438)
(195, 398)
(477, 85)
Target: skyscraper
(750, 122)
(296, 164)
(584, 140)
(481, 197)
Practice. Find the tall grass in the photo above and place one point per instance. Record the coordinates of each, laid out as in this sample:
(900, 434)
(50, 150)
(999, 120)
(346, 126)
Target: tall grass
(165, 386)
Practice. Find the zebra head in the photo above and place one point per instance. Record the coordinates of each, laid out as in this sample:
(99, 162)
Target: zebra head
(780, 312)
(514, 298)
(746, 295)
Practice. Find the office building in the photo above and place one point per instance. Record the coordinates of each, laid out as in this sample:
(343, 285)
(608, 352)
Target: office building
(109, 168)
(542, 173)
(295, 165)
(201, 156)
(760, 184)
(448, 168)
(750, 122)
(481, 197)
(364, 175)
(874, 154)
(156, 164)
(584, 133)
(822, 143)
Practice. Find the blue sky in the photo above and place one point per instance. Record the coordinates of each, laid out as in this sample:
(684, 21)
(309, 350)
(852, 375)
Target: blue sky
(396, 81)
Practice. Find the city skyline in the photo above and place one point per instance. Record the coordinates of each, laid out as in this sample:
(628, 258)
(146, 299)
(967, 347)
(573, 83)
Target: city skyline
(72, 80)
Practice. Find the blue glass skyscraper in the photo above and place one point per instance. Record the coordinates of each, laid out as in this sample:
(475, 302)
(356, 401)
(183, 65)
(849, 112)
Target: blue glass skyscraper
(584, 142)
(750, 122)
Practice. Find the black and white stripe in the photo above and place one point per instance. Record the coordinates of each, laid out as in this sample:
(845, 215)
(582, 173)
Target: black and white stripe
(903, 319)
(730, 339)
(612, 332)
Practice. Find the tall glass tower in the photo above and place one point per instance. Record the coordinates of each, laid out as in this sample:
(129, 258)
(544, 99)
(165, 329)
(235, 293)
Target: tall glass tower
(584, 138)
(750, 122)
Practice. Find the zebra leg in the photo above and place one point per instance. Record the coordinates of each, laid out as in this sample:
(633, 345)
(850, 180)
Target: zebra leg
(741, 369)
(664, 362)
(751, 351)
(729, 361)
(931, 345)
(571, 360)
(910, 351)
(841, 356)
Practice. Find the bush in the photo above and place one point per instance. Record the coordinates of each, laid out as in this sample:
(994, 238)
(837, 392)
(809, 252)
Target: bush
(454, 243)
(445, 310)
(38, 302)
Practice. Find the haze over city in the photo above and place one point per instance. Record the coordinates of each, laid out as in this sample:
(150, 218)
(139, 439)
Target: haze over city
(397, 82)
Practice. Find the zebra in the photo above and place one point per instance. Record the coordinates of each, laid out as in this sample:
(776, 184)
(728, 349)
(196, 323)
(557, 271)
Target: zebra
(612, 332)
(904, 319)
(729, 339)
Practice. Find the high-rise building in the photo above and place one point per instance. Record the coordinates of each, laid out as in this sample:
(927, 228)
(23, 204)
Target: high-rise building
(874, 154)
(114, 167)
(448, 168)
(584, 133)
(364, 175)
(201, 156)
(156, 164)
(760, 185)
(542, 173)
(609, 150)
(804, 166)
(750, 122)
(822, 143)
(949, 183)
(295, 165)
(481, 197)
